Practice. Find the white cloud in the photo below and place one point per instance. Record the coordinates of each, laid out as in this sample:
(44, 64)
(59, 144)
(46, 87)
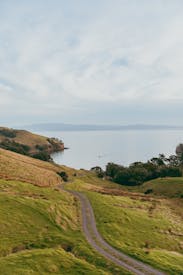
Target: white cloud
(58, 57)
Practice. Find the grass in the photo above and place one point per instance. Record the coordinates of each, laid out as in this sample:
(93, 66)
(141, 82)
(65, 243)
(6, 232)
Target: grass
(40, 227)
(33, 217)
(46, 261)
(168, 187)
(18, 167)
(40, 232)
(147, 228)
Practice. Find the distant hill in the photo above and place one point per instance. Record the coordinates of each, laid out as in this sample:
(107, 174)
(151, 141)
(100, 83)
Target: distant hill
(27, 143)
(93, 127)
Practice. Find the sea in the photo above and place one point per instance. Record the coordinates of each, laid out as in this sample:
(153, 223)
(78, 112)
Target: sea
(87, 149)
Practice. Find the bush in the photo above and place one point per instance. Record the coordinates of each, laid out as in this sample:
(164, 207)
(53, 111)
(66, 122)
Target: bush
(42, 156)
(8, 133)
(148, 191)
(63, 175)
(15, 147)
(98, 170)
(41, 147)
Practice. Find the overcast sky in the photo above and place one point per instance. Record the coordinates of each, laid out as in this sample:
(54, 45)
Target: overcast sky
(83, 61)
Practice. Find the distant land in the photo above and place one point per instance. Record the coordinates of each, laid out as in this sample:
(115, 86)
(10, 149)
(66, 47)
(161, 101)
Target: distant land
(29, 144)
(93, 127)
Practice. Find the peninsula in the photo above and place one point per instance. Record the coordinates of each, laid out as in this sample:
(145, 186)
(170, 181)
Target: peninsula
(27, 143)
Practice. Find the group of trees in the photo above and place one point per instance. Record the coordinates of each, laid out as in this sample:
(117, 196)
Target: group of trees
(15, 147)
(23, 149)
(9, 133)
(139, 172)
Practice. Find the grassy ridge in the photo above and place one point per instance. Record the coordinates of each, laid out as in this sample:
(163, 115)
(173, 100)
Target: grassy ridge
(18, 167)
(29, 144)
(24, 137)
(168, 187)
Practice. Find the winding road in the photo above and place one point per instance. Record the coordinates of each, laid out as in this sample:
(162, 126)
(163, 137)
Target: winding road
(100, 245)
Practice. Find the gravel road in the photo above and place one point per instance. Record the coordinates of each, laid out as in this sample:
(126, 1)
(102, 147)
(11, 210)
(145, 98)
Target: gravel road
(98, 243)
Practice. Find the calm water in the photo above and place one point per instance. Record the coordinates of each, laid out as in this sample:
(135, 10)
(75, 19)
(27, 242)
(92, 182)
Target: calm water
(91, 148)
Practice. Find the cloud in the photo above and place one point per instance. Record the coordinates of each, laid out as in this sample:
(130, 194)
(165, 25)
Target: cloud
(57, 57)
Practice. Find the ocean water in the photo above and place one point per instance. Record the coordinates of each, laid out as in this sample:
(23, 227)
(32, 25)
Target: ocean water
(96, 148)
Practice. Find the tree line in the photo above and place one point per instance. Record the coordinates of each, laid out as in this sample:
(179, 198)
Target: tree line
(139, 172)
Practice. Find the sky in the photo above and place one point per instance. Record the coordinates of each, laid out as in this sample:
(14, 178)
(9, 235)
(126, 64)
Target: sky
(91, 62)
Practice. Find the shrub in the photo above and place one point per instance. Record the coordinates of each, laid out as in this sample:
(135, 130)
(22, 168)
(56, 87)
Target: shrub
(148, 191)
(15, 147)
(42, 156)
(8, 133)
(63, 175)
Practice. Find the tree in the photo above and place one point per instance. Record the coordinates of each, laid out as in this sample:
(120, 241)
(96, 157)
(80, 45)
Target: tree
(174, 161)
(112, 169)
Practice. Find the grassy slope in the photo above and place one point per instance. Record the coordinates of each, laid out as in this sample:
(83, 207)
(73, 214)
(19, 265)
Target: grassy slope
(149, 228)
(31, 140)
(26, 137)
(40, 228)
(168, 187)
(18, 167)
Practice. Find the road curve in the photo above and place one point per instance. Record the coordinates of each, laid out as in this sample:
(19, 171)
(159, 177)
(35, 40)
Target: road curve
(98, 243)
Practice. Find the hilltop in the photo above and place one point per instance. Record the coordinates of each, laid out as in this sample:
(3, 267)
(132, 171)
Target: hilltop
(27, 143)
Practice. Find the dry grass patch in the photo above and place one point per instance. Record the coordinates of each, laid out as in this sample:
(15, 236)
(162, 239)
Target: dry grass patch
(18, 167)
(14, 166)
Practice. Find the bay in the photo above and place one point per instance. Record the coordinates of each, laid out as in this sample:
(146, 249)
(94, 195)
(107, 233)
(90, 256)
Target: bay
(96, 148)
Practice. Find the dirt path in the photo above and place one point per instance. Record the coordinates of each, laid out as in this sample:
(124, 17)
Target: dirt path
(97, 242)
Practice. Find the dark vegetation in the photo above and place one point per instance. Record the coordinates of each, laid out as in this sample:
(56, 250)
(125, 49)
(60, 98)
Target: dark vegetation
(25, 150)
(15, 147)
(42, 155)
(9, 133)
(98, 170)
(56, 143)
(139, 172)
(63, 175)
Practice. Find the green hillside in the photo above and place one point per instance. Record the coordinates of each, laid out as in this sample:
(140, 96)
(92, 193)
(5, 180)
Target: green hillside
(29, 144)
(168, 187)
(40, 226)
(146, 227)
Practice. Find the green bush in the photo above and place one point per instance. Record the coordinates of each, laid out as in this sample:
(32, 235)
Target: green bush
(42, 156)
(8, 133)
(15, 147)
(63, 175)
